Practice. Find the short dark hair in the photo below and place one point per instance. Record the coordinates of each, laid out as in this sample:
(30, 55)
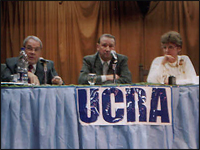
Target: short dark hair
(32, 37)
(106, 35)
(172, 37)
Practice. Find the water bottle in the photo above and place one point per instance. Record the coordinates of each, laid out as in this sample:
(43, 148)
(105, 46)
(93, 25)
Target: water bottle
(22, 67)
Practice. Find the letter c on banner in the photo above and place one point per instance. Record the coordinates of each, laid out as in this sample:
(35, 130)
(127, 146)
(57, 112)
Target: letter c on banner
(107, 106)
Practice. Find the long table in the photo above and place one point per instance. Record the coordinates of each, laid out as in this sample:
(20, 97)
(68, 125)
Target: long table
(46, 117)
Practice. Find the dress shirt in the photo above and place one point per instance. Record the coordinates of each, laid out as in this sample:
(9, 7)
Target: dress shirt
(103, 77)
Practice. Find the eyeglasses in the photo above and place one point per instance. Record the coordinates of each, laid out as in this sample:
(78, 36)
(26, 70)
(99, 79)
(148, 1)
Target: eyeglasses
(107, 45)
(170, 47)
(30, 48)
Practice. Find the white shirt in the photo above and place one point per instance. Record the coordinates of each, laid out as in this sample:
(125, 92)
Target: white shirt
(182, 69)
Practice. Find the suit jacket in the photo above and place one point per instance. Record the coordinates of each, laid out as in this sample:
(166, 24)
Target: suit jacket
(11, 68)
(92, 64)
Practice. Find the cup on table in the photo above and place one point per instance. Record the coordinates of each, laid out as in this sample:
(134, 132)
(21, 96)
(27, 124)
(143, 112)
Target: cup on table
(13, 78)
(92, 78)
(172, 80)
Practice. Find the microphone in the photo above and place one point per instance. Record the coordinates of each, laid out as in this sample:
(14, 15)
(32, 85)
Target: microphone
(43, 60)
(113, 53)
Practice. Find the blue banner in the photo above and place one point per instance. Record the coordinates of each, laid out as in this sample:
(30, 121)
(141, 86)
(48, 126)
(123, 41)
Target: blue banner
(124, 105)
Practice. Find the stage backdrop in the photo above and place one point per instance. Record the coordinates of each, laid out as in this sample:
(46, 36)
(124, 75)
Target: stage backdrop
(69, 30)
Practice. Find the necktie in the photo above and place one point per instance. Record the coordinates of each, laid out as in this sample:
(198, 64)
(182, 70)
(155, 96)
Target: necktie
(105, 68)
(30, 67)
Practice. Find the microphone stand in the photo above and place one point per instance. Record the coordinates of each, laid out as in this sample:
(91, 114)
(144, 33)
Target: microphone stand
(114, 70)
(45, 73)
(42, 60)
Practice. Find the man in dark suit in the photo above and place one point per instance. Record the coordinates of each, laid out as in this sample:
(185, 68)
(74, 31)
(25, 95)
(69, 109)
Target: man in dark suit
(94, 64)
(36, 75)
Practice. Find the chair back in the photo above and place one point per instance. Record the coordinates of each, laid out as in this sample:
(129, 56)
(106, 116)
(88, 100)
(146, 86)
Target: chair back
(3, 67)
(143, 73)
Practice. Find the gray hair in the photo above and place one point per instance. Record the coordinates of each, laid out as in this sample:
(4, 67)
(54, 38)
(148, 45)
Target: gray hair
(172, 37)
(106, 35)
(34, 38)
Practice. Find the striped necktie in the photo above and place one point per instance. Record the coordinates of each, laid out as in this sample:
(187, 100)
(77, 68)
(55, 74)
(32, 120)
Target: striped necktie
(30, 67)
(105, 68)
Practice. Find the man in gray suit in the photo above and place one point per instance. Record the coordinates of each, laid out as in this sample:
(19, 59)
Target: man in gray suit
(94, 64)
(36, 75)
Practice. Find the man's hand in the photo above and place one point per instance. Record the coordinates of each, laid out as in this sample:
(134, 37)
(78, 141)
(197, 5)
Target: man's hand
(57, 80)
(33, 78)
(111, 77)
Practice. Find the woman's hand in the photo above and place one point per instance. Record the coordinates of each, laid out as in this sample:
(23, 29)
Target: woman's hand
(168, 58)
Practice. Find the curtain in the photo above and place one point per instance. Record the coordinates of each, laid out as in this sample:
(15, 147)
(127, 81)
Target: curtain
(69, 30)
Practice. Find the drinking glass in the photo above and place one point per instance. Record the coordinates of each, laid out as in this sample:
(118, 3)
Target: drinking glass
(13, 78)
(92, 78)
